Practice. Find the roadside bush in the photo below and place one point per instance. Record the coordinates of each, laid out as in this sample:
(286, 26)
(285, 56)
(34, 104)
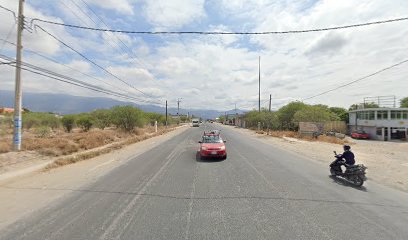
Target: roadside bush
(127, 117)
(37, 119)
(68, 122)
(152, 117)
(5, 146)
(85, 122)
(102, 118)
(43, 131)
(6, 124)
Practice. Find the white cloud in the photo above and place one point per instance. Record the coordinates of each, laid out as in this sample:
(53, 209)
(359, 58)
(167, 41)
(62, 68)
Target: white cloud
(219, 71)
(173, 13)
(121, 6)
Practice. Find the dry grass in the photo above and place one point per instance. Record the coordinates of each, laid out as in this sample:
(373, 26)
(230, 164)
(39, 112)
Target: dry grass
(94, 153)
(330, 139)
(51, 146)
(281, 134)
(321, 138)
(5, 146)
(95, 139)
(60, 143)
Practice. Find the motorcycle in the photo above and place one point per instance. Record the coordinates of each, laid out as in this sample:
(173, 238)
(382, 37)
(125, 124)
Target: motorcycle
(354, 174)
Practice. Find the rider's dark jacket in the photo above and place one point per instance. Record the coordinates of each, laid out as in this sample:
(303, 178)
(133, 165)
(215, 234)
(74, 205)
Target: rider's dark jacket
(349, 157)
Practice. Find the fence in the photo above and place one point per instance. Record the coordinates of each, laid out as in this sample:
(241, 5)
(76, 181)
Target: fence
(317, 128)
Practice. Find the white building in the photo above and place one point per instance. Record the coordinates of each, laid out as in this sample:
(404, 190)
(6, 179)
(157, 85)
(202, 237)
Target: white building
(381, 123)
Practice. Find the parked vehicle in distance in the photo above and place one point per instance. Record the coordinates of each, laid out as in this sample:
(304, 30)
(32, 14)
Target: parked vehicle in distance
(212, 145)
(195, 122)
(360, 134)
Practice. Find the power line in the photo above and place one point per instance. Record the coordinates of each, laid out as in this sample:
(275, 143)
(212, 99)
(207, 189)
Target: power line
(125, 48)
(106, 25)
(357, 80)
(9, 10)
(94, 63)
(7, 36)
(71, 68)
(223, 32)
(48, 73)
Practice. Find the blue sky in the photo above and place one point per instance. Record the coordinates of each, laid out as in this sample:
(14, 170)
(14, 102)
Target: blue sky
(215, 72)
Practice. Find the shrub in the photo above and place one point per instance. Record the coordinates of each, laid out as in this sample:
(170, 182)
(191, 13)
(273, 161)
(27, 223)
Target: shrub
(102, 118)
(43, 131)
(37, 119)
(68, 122)
(85, 122)
(127, 117)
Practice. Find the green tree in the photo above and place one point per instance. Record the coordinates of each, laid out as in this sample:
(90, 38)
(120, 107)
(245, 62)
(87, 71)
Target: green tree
(68, 122)
(286, 114)
(341, 113)
(404, 102)
(102, 118)
(85, 122)
(221, 118)
(127, 117)
(314, 114)
(365, 105)
(152, 117)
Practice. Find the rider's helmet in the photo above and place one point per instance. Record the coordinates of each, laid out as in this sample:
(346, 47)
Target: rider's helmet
(346, 147)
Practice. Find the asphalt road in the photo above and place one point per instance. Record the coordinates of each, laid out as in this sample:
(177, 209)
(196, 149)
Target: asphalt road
(259, 192)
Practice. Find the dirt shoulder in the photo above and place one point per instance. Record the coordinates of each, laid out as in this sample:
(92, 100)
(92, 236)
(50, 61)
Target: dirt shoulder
(387, 162)
(23, 195)
(65, 148)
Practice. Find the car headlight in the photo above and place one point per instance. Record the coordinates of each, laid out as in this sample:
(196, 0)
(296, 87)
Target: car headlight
(222, 148)
(203, 148)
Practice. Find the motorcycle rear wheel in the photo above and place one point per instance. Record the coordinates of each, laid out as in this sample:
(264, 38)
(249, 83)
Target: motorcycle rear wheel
(358, 181)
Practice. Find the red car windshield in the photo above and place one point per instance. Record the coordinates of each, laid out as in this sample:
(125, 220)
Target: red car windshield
(212, 139)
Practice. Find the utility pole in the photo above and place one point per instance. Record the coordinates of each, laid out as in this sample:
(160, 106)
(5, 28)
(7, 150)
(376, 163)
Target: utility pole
(270, 101)
(166, 113)
(235, 108)
(259, 84)
(18, 92)
(178, 105)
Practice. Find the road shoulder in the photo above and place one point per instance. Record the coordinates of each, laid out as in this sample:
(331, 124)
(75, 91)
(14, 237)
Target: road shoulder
(19, 196)
(386, 161)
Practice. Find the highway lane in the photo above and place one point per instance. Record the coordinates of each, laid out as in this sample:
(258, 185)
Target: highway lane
(259, 192)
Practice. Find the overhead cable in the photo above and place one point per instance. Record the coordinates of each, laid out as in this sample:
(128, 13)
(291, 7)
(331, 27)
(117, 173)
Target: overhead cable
(221, 32)
(357, 80)
(94, 63)
(56, 76)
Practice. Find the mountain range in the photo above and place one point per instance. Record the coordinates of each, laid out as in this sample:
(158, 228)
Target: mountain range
(68, 104)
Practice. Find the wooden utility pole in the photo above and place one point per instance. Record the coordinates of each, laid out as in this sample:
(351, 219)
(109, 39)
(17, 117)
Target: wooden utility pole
(270, 101)
(18, 91)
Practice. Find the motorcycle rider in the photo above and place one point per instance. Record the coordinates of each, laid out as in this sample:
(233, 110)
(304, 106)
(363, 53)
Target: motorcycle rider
(347, 155)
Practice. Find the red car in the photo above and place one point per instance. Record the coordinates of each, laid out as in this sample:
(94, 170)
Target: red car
(212, 145)
(360, 135)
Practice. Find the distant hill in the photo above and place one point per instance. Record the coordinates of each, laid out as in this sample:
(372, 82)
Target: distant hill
(67, 104)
